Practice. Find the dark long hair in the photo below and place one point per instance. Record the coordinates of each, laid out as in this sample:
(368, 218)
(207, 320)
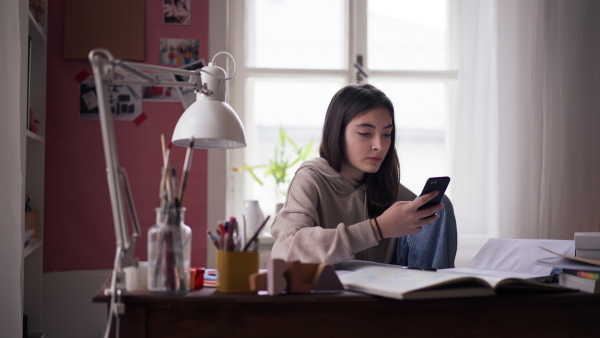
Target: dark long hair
(348, 103)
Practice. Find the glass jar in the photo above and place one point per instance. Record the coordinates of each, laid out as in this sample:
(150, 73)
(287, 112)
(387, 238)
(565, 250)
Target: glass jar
(169, 252)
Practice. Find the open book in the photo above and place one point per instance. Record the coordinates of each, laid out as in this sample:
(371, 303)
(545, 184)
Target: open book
(501, 266)
(397, 282)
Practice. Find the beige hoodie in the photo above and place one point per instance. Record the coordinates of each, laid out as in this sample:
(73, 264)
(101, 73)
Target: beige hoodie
(325, 219)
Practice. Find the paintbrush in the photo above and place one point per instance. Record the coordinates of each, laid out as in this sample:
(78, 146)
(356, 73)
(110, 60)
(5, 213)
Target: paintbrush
(187, 165)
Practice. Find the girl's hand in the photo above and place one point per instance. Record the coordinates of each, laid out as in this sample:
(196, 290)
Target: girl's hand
(403, 218)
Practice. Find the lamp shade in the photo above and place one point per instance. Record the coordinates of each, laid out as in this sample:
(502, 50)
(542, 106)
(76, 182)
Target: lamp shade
(210, 120)
(212, 123)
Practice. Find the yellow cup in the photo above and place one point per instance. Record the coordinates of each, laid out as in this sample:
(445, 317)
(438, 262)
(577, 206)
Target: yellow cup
(235, 269)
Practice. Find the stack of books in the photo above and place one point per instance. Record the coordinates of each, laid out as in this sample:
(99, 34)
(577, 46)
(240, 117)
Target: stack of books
(587, 244)
(587, 249)
(586, 281)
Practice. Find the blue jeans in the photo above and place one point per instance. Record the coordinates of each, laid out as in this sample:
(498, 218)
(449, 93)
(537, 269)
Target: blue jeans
(434, 246)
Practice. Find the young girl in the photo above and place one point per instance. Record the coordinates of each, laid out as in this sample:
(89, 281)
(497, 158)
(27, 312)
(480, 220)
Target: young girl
(349, 203)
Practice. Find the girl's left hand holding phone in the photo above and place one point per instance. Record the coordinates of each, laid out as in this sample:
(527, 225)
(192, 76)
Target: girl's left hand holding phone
(403, 218)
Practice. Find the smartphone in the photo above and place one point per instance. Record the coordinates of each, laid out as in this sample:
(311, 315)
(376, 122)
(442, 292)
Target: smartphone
(435, 183)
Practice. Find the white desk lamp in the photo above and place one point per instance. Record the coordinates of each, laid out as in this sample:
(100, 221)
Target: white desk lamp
(210, 120)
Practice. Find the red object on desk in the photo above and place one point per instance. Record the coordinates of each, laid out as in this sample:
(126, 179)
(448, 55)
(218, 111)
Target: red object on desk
(198, 278)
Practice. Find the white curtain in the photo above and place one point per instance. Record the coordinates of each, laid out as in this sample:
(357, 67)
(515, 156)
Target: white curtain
(11, 162)
(527, 135)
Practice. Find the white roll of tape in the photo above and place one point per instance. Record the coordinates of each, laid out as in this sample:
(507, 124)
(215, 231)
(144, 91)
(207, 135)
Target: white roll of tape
(136, 277)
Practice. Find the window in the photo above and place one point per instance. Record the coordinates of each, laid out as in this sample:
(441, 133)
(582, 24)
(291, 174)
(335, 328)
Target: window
(292, 57)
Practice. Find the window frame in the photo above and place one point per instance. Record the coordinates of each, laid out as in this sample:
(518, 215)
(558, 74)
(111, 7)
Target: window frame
(356, 28)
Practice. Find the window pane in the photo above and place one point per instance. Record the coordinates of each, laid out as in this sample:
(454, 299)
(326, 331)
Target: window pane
(298, 104)
(420, 109)
(407, 34)
(307, 34)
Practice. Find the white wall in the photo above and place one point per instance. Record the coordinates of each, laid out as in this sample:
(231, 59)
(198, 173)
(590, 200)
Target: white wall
(12, 33)
(217, 158)
(68, 308)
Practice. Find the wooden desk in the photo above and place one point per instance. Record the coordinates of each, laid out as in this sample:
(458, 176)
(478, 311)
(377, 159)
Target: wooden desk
(207, 313)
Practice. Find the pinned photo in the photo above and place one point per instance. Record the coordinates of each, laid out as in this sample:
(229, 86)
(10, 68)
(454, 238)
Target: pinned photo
(125, 101)
(177, 12)
(179, 52)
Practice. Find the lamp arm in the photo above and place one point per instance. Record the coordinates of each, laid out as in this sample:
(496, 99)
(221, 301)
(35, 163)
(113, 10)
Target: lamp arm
(154, 83)
(109, 67)
(136, 67)
(138, 78)
(132, 211)
(101, 61)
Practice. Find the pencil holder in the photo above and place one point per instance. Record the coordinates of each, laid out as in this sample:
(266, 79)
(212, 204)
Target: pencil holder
(235, 269)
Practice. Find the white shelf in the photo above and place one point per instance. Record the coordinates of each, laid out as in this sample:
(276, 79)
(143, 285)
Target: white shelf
(32, 248)
(36, 31)
(35, 136)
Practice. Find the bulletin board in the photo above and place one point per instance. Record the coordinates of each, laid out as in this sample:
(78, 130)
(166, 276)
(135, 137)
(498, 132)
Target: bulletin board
(116, 25)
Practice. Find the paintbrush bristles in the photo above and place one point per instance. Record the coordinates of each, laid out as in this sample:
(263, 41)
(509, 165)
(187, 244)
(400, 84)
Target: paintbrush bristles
(169, 193)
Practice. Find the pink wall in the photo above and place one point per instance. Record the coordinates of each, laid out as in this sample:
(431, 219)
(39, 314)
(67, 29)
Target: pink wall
(79, 232)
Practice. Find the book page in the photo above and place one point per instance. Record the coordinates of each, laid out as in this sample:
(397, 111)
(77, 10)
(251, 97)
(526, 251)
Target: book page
(491, 273)
(357, 265)
(518, 255)
(510, 280)
(397, 283)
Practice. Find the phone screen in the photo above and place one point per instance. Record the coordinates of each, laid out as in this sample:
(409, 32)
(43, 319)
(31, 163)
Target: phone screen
(435, 183)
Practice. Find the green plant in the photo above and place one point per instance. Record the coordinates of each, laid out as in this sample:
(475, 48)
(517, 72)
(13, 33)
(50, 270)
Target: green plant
(287, 155)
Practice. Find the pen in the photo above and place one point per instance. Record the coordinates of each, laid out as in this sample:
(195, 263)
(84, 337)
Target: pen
(255, 236)
(220, 238)
(233, 234)
(213, 239)
(230, 238)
